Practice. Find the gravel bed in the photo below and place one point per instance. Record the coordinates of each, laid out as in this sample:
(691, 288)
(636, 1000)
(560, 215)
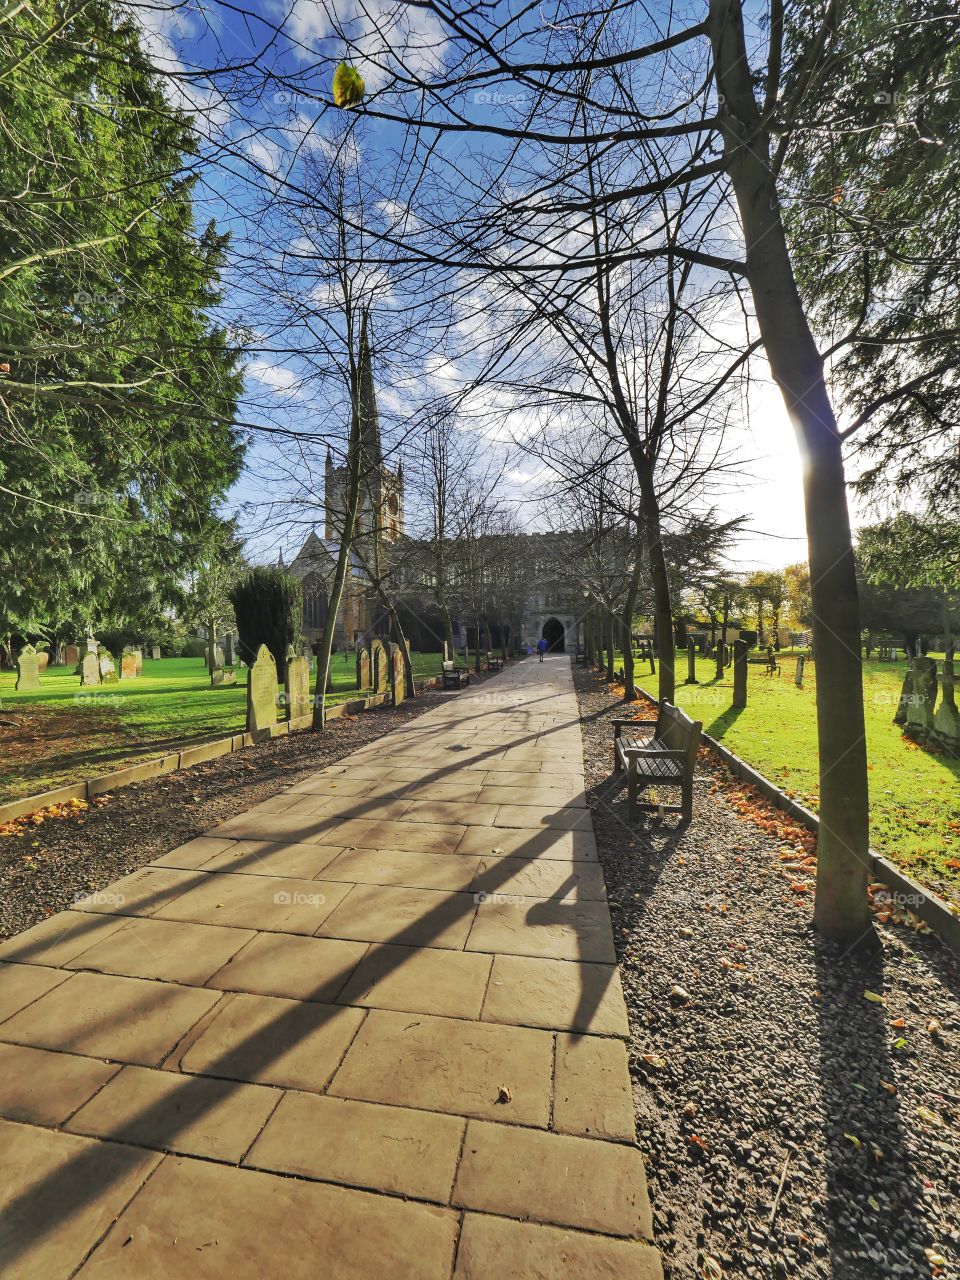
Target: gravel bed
(775, 1067)
(49, 866)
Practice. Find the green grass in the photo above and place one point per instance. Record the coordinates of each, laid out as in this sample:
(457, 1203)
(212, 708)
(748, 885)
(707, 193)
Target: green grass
(69, 733)
(914, 793)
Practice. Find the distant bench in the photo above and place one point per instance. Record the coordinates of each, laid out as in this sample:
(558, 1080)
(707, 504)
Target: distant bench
(668, 756)
(454, 677)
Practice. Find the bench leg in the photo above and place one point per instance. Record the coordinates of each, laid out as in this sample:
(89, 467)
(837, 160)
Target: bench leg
(686, 810)
(633, 809)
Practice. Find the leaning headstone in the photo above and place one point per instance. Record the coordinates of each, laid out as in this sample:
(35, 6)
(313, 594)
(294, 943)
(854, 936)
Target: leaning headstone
(920, 710)
(218, 677)
(71, 655)
(28, 670)
(296, 683)
(262, 692)
(946, 722)
(691, 663)
(108, 668)
(89, 670)
(798, 678)
(398, 675)
(740, 651)
(363, 668)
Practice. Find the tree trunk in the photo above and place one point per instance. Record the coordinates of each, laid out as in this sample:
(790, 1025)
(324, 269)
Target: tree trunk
(211, 645)
(611, 641)
(841, 909)
(477, 662)
(663, 613)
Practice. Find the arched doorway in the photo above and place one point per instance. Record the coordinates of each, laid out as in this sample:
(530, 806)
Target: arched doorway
(553, 634)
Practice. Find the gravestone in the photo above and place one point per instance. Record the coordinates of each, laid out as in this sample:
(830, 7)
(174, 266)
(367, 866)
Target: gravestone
(906, 694)
(28, 670)
(89, 670)
(363, 668)
(155, 652)
(71, 655)
(229, 649)
(296, 684)
(218, 676)
(138, 659)
(691, 663)
(946, 722)
(128, 666)
(108, 668)
(262, 691)
(798, 678)
(93, 646)
(218, 656)
(740, 651)
(381, 666)
(398, 676)
(920, 710)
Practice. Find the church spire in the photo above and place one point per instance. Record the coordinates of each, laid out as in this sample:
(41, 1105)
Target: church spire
(367, 429)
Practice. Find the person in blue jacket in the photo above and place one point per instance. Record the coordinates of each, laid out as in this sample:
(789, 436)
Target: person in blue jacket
(541, 647)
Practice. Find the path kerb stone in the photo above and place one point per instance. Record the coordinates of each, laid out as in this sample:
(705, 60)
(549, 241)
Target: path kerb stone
(394, 982)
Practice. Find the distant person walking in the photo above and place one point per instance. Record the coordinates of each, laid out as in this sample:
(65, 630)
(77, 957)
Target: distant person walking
(541, 647)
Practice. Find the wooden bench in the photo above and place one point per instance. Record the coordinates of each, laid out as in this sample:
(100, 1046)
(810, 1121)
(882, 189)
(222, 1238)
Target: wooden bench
(454, 677)
(493, 662)
(667, 755)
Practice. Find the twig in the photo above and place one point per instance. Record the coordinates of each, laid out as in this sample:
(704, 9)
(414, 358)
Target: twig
(954, 1097)
(776, 1198)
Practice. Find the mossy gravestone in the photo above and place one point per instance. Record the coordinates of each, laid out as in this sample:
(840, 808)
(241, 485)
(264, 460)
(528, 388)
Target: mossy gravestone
(363, 669)
(89, 670)
(920, 710)
(218, 677)
(28, 670)
(262, 691)
(946, 723)
(128, 666)
(398, 677)
(296, 683)
(108, 668)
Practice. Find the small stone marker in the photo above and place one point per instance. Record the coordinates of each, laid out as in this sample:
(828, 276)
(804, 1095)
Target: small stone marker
(71, 655)
(798, 678)
(89, 670)
(398, 676)
(740, 651)
(28, 670)
(296, 683)
(155, 653)
(108, 669)
(218, 676)
(262, 691)
(128, 666)
(691, 662)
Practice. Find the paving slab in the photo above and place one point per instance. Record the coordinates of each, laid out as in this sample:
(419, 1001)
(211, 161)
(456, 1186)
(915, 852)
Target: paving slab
(59, 938)
(257, 902)
(38, 1086)
(385, 913)
(165, 949)
(213, 1222)
(530, 842)
(362, 1144)
(404, 868)
(288, 965)
(491, 1248)
(562, 929)
(592, 1094)
(541, 878)
(22, 984)
(420, 980)
(558, 994)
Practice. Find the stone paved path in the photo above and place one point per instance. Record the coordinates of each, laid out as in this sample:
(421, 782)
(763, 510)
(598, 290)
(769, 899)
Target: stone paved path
(370, 1028)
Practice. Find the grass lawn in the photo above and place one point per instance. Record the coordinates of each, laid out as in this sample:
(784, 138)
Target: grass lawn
(66, 733)
(914, 792)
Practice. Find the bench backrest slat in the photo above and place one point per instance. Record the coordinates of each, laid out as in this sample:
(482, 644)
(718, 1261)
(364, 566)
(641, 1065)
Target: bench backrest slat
(677, 731)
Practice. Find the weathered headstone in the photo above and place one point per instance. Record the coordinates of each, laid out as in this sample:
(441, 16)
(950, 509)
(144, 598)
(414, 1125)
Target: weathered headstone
(155, 652)
(296, 683)
(93, 646)
(381, 666)
(691, 662)
(218, 677)
(262, 691)
(740, 651)
(218, 656)
(89, 670)
(138, 659)
(920, 710)
(363, 668)
(108, 668)
(398, 676)
(71, 655)
(229, 649)
(28, 671)
(906, 694)
(946, 722)
(128, 666)
(798, 678)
